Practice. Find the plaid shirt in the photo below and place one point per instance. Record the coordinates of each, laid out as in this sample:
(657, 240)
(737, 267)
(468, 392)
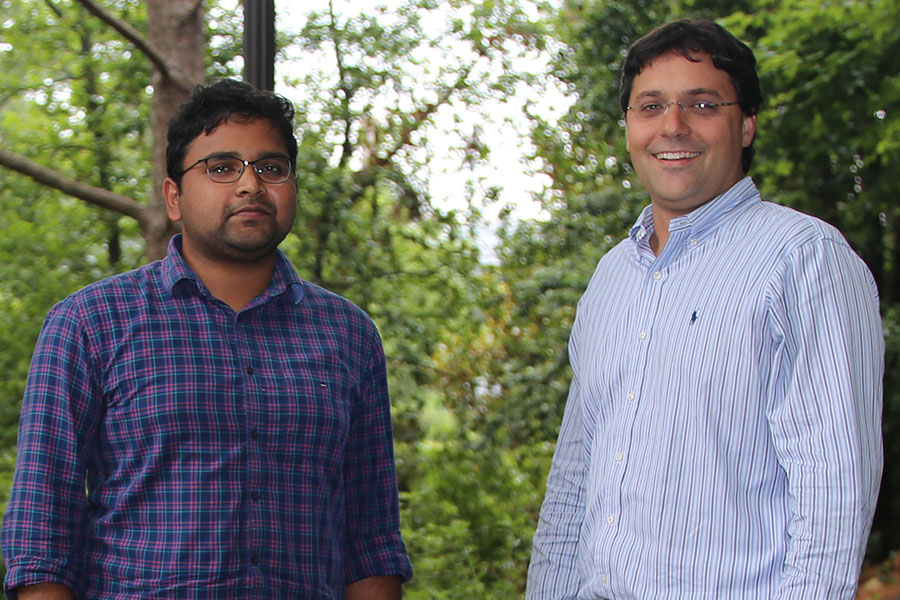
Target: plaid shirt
(224, 455)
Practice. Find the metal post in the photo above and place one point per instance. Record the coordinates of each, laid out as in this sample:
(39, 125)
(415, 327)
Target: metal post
(259, 43)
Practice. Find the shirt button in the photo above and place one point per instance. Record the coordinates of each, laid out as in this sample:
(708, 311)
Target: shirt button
(254, 495)
(619, 457)
(604, 579)
(254, 435)
(643, 335)
(657, 275)
(630, 396)
(611, 519)
(692, 242)
(254, 559)
(249, 370)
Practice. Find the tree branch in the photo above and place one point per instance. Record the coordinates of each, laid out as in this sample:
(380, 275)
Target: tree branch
(343, 84)
(344, 284)
(131, 34)
(367, 175)
(88, 193)
(419, 118)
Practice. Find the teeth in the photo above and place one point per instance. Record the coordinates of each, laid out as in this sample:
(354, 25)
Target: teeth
(676, 155)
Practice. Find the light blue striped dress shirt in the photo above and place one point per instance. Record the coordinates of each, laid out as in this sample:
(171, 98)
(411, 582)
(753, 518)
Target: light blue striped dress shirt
(722, 435)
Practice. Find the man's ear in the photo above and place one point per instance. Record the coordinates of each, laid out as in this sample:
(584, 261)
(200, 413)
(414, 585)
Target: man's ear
(172, 195)
(749, 130)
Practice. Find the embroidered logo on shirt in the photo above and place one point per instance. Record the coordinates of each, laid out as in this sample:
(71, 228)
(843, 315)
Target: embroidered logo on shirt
(694, 317)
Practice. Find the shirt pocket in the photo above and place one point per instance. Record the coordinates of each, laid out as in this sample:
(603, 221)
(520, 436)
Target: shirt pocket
(306, 408)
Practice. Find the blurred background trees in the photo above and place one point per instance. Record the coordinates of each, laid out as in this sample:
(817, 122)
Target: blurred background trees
(476, 339)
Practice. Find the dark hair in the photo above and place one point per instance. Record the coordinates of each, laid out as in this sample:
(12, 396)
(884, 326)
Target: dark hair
(687, 37)
(210, 105)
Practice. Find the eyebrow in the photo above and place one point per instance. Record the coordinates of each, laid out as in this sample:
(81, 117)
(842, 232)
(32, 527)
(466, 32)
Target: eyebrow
(702, 91)
(236, 154)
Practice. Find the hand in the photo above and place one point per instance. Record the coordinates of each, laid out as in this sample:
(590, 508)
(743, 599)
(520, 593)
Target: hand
(374, 588)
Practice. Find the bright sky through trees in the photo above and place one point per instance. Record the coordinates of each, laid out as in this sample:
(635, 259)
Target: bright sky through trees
(503, 125)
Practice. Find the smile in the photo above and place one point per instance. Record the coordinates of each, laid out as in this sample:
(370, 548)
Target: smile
(676, 155)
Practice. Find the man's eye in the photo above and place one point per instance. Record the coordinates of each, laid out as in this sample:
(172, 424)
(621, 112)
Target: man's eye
(220, 167)
(651, 107)
(703, 106)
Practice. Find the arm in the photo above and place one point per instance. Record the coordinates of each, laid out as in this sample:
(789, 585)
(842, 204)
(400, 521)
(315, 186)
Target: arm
(374, 588)
(553, 572)
(42, 527)
(374, 547)
(45, 591)
(825, 415)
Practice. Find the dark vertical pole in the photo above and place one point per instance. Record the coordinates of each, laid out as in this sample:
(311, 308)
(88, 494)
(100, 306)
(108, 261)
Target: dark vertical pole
(259, 43)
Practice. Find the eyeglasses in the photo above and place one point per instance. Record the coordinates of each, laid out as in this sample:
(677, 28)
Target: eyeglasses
(228, 169)
(701, 109)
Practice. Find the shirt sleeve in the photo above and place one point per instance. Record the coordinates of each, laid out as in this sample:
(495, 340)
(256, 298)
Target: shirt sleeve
(42, 529)
(825, 414)
(553, 571)
(374, 544)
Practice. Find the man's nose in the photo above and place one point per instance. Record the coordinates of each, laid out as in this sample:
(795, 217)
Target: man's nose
(673, 120)
(249, 180)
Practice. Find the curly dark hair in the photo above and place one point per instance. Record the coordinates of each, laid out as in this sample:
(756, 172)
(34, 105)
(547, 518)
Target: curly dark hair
(212, 104)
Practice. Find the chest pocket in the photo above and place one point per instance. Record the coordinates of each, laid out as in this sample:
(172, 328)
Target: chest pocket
(305, 405)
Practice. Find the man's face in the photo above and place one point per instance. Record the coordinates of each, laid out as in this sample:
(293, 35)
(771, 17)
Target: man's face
(240, 221)
(685, 160)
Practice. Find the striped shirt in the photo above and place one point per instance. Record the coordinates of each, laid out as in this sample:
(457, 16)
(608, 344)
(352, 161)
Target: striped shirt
(224, 455)
(722, 435)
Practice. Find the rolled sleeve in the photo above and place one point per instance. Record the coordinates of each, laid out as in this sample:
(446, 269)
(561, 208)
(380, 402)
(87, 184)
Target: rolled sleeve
(42, 529)
(374, 543)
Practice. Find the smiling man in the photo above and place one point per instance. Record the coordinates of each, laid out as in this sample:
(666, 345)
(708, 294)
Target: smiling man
(209, 426)
(722, 434)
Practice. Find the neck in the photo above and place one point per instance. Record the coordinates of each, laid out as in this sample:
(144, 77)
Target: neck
(234, 283)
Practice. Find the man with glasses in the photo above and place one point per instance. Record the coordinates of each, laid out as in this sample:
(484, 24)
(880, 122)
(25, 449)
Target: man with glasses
(210, 425)
(721, 437)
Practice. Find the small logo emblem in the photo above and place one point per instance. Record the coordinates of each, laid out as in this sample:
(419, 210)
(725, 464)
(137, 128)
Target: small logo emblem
(693, 317)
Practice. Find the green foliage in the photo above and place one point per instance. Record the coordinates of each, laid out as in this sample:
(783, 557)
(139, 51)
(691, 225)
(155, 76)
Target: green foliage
(63, 103)
(828, 139)
(477, 352)
(78, 101)
(470, 518)
(37, 268)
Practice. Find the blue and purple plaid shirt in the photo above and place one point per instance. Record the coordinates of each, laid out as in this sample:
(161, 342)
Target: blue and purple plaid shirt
(170, 448)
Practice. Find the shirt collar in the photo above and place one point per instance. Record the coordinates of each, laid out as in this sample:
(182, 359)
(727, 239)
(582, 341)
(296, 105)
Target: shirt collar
(705, 220)
(284, 279)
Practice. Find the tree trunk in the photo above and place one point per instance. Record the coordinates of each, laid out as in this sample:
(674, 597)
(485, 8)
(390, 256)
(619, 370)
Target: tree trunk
(175, 28)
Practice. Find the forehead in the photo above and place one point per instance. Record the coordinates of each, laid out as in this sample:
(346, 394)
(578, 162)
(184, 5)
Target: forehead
(246, 138)
(673, 75)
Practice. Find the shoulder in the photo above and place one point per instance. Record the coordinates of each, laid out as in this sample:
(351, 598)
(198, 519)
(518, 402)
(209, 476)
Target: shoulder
(113, 295)
(612, 277)
(340, 324)
(808, 249)
(89, 319)
(619, 258)
(786, 229)
(332, 309)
